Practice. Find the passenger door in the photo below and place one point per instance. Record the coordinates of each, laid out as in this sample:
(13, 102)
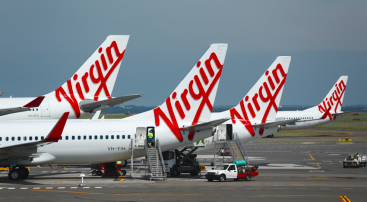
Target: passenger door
(232, 172)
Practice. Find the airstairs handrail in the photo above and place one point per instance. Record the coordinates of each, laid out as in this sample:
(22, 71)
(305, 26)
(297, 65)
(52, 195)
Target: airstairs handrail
(229, 145)
(147, 153)
(161, 157)
(242, 148)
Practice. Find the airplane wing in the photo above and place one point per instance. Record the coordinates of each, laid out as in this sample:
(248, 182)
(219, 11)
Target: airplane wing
(34, 103)
(93, 106)
(52, 137)
(204, 126)
(275, 123)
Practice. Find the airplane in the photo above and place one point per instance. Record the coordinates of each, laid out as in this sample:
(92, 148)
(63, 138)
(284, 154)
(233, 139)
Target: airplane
(328, 110)
(183, 118)
(88, 90)
(255, 115)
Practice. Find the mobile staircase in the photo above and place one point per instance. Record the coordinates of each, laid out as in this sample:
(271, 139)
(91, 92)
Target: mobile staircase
(236, 148)
(155, 161)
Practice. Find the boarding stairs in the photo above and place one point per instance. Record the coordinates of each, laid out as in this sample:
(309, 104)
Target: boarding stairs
(155, 161)
(236, 148)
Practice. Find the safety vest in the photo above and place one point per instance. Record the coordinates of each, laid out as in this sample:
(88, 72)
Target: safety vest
(150, 135)
(118, 162)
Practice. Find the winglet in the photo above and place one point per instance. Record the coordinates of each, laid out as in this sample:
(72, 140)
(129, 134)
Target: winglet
(56, 132)
(36, 102)
(326, 113)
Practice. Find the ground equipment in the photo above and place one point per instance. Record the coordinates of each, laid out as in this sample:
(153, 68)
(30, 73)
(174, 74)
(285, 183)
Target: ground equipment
(350, 161)
(232, 171)
(181, 161)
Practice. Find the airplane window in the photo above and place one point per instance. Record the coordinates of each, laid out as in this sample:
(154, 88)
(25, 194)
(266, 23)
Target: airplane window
(79, 137)
(90, 137)
(128, 136)
(12, 138)
(7, 138)
(112, 137)
(19, 138)
(95, 137)
(37, 109)
(25, 138)
(66, 137)
(1, 138)
(36, 138)
(117, 136)
(123, 136)
(101, 137)
(60, 138)
(106, 137)
(30, 137)
(73, 137)
(42, 138)
(85, 137)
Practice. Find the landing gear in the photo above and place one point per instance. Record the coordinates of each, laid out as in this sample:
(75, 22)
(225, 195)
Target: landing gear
(270, 136)
(18, 173)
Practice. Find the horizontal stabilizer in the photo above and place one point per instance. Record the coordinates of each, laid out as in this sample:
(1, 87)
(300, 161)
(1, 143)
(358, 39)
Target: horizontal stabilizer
(204, 126)
(275, 123)
(348, 112)
(34, 103)
(93, 106)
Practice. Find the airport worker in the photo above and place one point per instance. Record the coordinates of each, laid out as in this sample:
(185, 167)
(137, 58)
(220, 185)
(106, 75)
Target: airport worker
(150, 137)
(356, 155)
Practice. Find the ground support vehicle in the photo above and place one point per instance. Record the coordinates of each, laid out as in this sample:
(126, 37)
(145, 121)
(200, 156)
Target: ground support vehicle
(224, 152)
(363, 160)
(350, 161)
(109, 170)
(232, 171)
(181, 161)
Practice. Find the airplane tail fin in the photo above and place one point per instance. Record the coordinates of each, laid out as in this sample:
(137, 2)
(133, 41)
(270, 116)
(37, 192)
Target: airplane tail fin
(192, 100)
(96, 77)
(261, 103)
(334, 99)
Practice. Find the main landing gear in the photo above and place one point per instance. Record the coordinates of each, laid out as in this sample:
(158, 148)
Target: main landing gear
(19, 172)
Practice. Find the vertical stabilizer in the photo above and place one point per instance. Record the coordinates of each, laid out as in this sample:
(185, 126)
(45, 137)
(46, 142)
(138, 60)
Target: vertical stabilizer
(192, 100)
(334, 99)
(261, 103)
(96, 78)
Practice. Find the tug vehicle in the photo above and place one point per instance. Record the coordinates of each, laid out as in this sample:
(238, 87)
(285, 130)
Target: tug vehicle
(350, 161)
(181, 161)
(236, 170)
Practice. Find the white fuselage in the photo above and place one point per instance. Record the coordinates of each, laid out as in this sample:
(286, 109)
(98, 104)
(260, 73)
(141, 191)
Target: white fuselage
(309, 119)
(87, 145)
(50, 108)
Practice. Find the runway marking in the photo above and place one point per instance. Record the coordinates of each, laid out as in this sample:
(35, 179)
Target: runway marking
(122, 179)
(295, 195)
(98, 187)
(345, 199)
(317, 178)
(36, 187)
(24, 188)
(312, 157)
(318, 165)
(11, 188)
(61, 188)
(140, 194)
(49, 187)
(73, 192)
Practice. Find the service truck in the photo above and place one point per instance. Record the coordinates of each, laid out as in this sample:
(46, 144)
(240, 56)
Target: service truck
(177, 162)
(232, 171)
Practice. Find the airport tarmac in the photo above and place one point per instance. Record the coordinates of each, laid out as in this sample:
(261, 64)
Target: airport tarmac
(287, 172)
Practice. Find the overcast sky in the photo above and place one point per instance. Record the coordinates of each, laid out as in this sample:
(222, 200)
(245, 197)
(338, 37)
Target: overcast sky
(42, 43)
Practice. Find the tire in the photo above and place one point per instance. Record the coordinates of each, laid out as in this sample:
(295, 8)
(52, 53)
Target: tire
(124, 163)
(248, 177)
(222, 178)
(174, 171)
(123, 172)
(94, 173)
(195, 172)
(14, 175)
(99, 173)
(24, 172)
(210, 180)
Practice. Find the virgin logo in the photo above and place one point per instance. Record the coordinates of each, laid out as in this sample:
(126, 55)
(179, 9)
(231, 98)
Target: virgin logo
(334, 99)
(265, 95)
(101, 79)
(202, 94)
